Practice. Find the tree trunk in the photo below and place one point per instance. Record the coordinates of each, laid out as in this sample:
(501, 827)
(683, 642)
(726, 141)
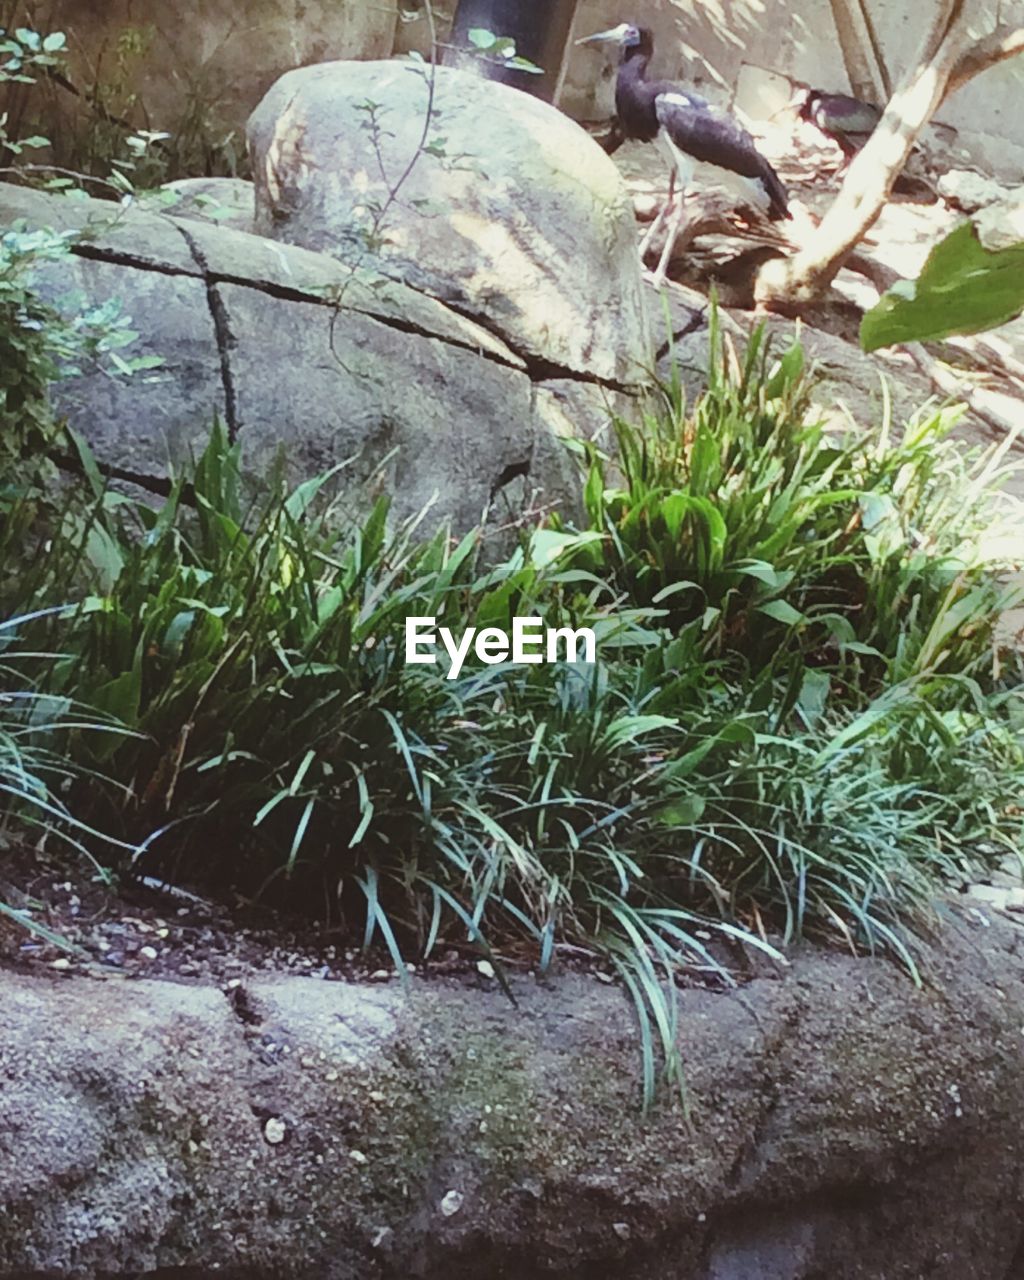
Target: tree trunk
(790, 282)
(996, 48)
(877, 50)
(864, 82)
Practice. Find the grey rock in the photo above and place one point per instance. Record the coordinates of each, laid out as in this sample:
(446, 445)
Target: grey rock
(311, 363)
(226, 202)
(516, 218)
(1001, 225)
(968, 190)
(844, 1123)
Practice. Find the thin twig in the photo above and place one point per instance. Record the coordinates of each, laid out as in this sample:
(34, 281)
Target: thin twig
(947, 382)
(373, 234)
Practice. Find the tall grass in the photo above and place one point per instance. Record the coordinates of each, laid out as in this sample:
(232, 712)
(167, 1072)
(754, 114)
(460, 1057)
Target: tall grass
(36, 769)
(794, 727)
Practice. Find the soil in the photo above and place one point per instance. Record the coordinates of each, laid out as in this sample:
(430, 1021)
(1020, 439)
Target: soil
(147, 929)
(150, 929)
(91, 924)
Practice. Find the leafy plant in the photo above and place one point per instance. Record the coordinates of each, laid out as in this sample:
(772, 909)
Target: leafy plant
(792, 728)
(35, 767)
(963, 288)
(39, 345)
(500, 50)
(784, 542)
(23, 52)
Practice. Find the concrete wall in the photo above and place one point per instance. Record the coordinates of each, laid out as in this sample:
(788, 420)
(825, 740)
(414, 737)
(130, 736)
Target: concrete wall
(709, 42)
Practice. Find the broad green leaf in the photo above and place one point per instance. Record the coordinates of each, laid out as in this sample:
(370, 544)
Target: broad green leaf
(781, 611)
(681, 812)
(629, 728)
(963, 289)
(814, 695)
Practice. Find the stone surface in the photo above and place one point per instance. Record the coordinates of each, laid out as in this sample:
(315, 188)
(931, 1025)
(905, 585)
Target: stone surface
(968, 190)
(226, 202)
(507, 211)
(303, 359)
(1001, 225)
(844, 1124)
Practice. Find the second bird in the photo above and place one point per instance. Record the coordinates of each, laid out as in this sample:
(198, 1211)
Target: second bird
(695, 132)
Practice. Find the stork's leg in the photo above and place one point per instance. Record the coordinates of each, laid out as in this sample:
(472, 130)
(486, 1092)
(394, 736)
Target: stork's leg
(652, 231)
(674, 227)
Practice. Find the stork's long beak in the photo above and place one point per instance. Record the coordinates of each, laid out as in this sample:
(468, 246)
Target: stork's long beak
(614, 36)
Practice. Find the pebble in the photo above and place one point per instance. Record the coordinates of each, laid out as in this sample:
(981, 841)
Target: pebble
(452, 1202)
(274, 1130)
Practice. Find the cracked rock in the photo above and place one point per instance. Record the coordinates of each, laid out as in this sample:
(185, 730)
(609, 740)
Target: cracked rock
(310, 365)
(843, 1122)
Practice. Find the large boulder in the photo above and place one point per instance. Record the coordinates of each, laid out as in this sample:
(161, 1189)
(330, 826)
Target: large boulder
(303, 358)
(844, 1124)
(472, 192)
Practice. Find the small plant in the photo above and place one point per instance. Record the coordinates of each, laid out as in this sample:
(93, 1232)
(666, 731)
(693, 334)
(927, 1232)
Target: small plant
(501, 51)
(864, 556)
(22, 53)
(39, 345)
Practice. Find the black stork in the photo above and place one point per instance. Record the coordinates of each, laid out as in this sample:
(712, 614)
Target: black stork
(695, 133)
(849, 122)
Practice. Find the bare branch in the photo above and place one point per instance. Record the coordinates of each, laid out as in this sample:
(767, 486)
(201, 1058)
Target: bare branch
(1007, 42)
(871, 175)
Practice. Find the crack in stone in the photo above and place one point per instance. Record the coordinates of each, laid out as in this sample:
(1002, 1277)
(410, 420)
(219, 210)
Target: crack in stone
(509, 473)
(159, 485)
(539, 370)
(117, 258)
(286, 294)
(226, 341)
(536, 368)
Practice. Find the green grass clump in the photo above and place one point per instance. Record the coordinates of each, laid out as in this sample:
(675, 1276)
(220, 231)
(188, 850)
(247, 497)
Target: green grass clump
(36, 769)
(795, 726)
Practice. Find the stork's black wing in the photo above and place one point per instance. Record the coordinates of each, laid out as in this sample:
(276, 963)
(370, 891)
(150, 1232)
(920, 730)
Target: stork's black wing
(713, 137)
